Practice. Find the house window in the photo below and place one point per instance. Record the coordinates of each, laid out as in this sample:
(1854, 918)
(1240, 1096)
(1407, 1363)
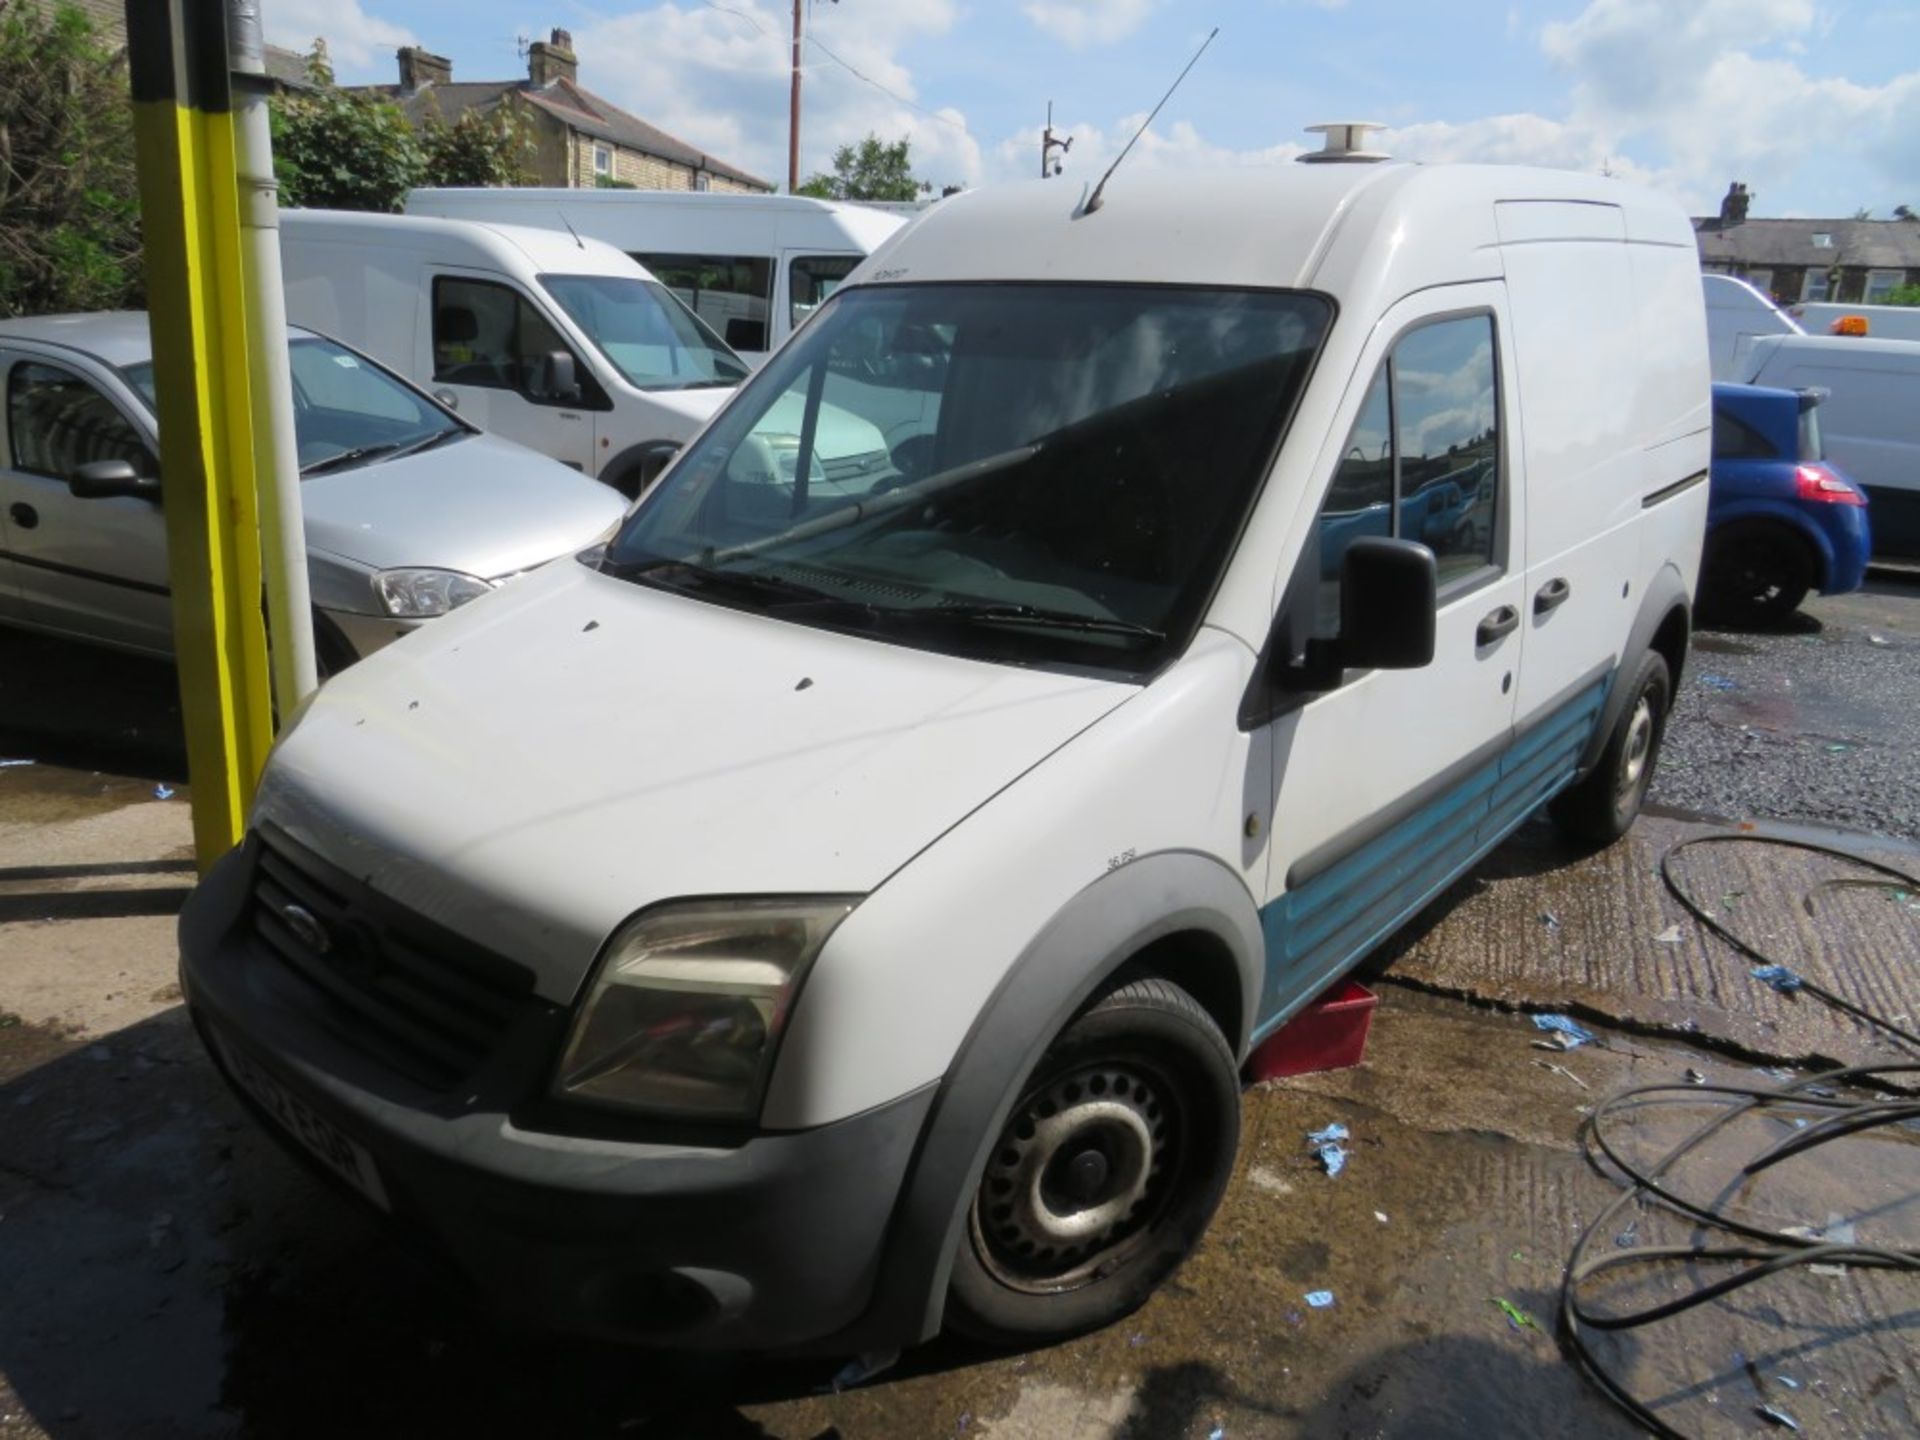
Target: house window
(701, 181)
(1814, 288)
(1880, 284)
(1822, 240)
(602, 160)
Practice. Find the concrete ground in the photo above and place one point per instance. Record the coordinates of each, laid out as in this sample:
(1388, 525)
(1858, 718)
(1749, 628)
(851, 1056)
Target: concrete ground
(168, 1272)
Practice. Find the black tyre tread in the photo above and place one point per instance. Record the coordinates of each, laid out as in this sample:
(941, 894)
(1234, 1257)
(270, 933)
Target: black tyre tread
(1154, 993)
(1586, 811)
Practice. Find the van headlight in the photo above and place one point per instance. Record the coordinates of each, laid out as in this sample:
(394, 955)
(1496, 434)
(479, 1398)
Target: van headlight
(686, 1009)
(412, 594)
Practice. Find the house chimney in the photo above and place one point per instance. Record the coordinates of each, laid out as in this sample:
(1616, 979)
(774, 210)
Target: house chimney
(1733, 209)
(550, 60)
(419, 68)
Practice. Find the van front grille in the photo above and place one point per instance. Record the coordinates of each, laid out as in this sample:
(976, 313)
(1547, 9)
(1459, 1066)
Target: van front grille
(394, 986)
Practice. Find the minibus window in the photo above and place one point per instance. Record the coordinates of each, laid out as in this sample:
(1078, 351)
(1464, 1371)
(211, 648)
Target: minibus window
(732, 293)
(811, 279)
(1033, 473)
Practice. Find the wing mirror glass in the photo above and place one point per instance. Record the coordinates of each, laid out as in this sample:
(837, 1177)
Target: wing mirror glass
(109, 479)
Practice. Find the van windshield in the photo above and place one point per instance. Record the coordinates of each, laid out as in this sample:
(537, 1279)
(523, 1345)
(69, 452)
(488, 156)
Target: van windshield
(1041, 474)
(646, 333)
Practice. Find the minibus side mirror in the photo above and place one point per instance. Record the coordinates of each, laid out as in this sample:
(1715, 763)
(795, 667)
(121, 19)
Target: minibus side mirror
(1388, 595)
(555, 378)
(110, 479)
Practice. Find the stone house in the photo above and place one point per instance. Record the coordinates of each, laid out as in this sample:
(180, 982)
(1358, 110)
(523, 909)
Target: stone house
(1800, 260)
(580, 139)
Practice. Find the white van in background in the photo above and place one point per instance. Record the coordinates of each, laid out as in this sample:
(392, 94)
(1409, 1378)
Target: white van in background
(1737, 312)
(1884, 322)
(558, 342)
(1869, 422)
(751, 266)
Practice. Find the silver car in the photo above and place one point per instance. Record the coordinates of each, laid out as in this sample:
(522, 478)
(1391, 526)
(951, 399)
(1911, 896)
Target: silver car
(410, 511)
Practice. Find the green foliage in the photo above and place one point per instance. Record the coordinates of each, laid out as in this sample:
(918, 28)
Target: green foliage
(1902, 295)
(872, 170)
(338, 149)
(69, 201)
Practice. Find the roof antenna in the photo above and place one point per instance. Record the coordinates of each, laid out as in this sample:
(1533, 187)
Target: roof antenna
(570, 230)
(1093, 200)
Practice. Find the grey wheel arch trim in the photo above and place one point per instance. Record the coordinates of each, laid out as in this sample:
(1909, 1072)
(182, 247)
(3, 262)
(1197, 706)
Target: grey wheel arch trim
(1087, 943)
(1666, 593)
(633, 461)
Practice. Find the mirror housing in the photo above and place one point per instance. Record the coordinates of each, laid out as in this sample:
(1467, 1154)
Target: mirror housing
(111, 479)
(555, 378)
(447, 398)
(1389, 593)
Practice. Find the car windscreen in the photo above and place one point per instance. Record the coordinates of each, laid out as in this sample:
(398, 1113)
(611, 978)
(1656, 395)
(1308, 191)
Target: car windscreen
(646, 333)
(1035, 473)
(346, 410)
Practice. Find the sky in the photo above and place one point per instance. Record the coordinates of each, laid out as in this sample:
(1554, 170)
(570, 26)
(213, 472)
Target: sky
(1814, 104)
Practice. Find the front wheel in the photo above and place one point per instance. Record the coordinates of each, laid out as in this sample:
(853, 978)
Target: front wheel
(1108, 1169)
(1601, 808)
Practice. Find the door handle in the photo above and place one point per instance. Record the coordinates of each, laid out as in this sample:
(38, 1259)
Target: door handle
(23, 515)
(1503, 621)
(1551, 596)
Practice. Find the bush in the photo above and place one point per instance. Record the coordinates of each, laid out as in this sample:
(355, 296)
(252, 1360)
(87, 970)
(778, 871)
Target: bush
(69, 200)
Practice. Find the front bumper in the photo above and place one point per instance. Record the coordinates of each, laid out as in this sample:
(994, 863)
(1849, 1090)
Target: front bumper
(767, 1241)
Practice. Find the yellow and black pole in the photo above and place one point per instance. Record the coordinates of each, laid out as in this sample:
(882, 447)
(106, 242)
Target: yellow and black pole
(207, 366)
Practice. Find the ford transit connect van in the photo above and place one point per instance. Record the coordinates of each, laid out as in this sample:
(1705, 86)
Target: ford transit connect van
(558, 342)
(878, 878)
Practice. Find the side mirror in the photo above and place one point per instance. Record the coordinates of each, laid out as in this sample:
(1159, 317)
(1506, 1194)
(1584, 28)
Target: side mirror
(1388, 595)
(108, 479)
(555, 378)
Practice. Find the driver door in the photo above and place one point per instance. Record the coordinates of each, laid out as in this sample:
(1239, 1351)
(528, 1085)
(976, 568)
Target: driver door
(96, 569)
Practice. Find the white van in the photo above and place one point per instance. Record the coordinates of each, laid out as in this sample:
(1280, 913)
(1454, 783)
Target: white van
(1737, 313)
(1884, 322)
(558, 342)
(1869, 422)
(751, 266)
(840, 911)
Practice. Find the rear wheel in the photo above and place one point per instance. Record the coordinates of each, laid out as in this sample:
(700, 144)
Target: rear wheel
(1106, 1173)
(1757, 571)
(1601, 808)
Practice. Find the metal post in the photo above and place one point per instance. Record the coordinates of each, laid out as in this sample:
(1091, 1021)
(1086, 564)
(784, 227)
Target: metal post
(793, 111)
(190, 221)
(283, 545)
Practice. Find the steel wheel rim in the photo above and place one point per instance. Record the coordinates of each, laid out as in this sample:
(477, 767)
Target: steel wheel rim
(1045, 1217)
(1639, 745)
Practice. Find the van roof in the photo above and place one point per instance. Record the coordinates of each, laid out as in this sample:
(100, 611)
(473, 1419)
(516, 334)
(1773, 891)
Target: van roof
(509, 246)
(1838, 347)
(869, 225)
(1337, 228)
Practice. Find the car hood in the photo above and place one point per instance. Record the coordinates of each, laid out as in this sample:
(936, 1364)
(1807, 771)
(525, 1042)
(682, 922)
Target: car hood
(697, 405)
(540, 764)
(481, 505)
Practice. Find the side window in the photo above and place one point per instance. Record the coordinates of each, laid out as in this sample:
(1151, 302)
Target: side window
(1422, 461)
(1734, 439)
(811, 279)
(487, 334)
(732, 293)
(57, 422)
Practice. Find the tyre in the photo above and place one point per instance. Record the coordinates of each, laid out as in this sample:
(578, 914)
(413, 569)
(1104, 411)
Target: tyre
(1103, 1179)
(1757, 572)
(1600, 808)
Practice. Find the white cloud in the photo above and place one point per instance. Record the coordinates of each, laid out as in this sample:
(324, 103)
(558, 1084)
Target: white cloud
(718, 79)
(1080, 23)
(361, 45)
(1175, 145)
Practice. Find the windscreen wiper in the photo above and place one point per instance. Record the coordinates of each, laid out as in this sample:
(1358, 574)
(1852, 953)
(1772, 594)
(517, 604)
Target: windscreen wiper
(427, 442)
(1037, 617)
(760, 583)
(349, 457)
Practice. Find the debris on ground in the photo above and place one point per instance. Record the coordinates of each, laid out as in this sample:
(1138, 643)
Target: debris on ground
(1381, 1216)
(1719, 682)
(1628, 1237)
(1779, 977)
(1668, 936)
(1327, 1148)
(163, 792)
(1319, 1299)
(1562, 1070)
(1570, 1035)
(1778, 1416)
(9, 764)
(1516, 1317)
(1694, 1077)
(1550, 920)
(862, 1368)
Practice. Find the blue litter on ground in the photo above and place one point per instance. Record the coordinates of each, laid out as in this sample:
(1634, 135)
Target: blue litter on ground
(1577, 1035)
(1779, 977)
(1319, 1299)
(1719, 682)
(163, 792)
(1335, 1131)
(1332, 1158)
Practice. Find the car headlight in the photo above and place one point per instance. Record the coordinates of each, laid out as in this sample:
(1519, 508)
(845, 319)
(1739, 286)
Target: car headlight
(687, 1007)
(416, 594)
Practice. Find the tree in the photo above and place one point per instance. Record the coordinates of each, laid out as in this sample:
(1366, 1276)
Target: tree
(69, 200)
(873, 170)
(1902, 295)
(341, 149)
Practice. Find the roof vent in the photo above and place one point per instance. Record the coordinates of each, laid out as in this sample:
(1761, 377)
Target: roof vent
(1346, 143)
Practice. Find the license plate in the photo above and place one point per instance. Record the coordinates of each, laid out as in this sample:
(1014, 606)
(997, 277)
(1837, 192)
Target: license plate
(321, 1138)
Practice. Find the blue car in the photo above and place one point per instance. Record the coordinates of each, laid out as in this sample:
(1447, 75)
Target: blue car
(1780, 520)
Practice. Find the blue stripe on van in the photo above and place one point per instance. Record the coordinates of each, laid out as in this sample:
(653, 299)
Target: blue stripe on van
(1316, 932)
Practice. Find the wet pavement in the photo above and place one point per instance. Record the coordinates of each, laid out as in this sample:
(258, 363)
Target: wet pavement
(168, 1272)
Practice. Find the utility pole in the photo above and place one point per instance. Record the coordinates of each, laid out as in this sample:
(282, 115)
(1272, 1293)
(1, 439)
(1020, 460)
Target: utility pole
(793, 109)
(1048, 145)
